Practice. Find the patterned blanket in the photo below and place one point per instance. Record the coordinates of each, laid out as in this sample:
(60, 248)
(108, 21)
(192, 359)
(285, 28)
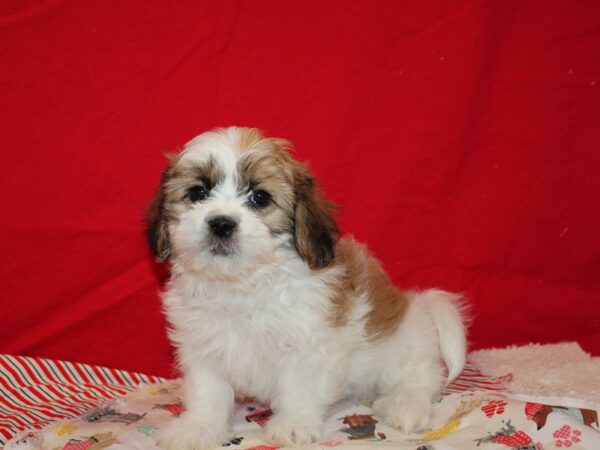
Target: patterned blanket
(56, 405)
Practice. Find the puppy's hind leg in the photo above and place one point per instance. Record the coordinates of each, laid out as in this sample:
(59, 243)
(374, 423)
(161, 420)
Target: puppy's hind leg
(406, 404)
(431, 337)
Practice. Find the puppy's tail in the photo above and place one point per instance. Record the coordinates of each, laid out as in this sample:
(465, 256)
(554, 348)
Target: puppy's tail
(449, 314)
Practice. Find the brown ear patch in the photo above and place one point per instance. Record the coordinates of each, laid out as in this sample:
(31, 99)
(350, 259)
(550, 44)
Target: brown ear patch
(157, 232)
(315, 230)
(363, 275)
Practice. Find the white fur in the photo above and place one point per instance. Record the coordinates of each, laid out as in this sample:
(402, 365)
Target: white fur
(258, 323)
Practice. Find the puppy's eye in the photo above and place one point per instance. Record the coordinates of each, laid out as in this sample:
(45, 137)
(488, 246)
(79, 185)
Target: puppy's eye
(197, 193)
(259, 197)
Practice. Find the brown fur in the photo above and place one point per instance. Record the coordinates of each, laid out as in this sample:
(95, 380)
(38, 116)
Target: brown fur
(363, 275)
(174, 185)
(262, 169)
(207, 174)
(315, 233)
(249, 137)
(156, 230)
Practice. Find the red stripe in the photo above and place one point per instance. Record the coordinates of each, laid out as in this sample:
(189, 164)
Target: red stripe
(117, 389)
(483, 382)
(458, 383)
(5, 385)
(82, 373)
(65, 373)
(74, 389)
(478, 377)
(85, 391)
(6, 434)
(474, 375)
(115, 373)
(468, 386)
(471, 382)
(99, 374)
(66, 407)
(100, 391)
(134, 377)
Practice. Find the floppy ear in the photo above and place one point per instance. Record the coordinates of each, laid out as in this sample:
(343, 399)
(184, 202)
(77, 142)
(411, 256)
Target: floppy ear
(315, 230)
(157, 231)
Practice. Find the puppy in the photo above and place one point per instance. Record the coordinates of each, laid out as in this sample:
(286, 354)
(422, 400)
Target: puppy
(265, 300)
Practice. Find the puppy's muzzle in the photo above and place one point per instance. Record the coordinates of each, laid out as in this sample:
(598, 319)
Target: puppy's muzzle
(222, 226)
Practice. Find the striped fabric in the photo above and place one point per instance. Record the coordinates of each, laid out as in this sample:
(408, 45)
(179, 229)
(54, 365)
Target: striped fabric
(471, 379)
(35, 392)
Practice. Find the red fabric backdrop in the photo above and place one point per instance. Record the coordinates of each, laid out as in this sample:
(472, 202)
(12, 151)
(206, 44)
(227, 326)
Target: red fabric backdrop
(461, 140)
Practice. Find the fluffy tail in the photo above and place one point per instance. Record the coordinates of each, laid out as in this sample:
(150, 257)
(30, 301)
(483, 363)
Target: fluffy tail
(448, 312)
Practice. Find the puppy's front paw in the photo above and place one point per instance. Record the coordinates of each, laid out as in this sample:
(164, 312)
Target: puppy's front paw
(185, 433)
(293, 431)
(405, 413)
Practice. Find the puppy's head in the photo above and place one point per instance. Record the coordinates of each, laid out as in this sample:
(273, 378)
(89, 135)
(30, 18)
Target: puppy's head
(231, 199)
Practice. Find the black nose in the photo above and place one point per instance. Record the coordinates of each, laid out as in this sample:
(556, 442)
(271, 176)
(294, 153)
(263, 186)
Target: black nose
(222, 226)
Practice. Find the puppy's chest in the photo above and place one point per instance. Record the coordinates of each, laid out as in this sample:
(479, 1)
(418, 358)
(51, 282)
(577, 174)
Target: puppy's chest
(261, 322)
(251, 337)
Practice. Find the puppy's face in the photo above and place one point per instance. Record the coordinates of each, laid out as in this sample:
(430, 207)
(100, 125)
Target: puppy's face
(231, 198)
